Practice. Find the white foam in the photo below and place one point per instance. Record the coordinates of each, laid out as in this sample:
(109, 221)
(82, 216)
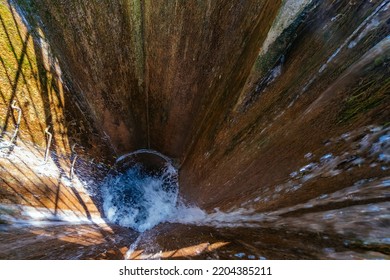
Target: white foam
(21, 215)
(140, 201)
(185, 214)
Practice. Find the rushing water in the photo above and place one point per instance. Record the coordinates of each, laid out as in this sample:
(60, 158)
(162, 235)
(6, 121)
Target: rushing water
(138, 198)
(350, 222)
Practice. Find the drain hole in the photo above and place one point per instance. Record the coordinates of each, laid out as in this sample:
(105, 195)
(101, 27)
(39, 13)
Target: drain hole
(141, 190)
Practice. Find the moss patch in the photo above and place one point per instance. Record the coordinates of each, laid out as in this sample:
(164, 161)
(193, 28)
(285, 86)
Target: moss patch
(371, 91)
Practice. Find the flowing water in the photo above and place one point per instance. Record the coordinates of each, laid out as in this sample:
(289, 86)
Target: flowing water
(322, 197)
(140, 199)
(142, 193)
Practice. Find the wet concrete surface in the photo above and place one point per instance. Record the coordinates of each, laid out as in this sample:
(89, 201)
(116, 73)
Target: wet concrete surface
(282, 144)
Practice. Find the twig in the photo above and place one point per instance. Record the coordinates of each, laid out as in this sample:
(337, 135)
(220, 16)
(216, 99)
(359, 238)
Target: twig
(15, 135)
(48, 142)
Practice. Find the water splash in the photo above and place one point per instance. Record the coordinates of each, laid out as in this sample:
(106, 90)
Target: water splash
(140, 200)
(362, 202)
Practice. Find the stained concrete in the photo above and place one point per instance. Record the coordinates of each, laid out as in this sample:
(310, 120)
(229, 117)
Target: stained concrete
(280, 123)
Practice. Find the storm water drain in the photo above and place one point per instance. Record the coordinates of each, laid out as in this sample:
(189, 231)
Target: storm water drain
(141, 190)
